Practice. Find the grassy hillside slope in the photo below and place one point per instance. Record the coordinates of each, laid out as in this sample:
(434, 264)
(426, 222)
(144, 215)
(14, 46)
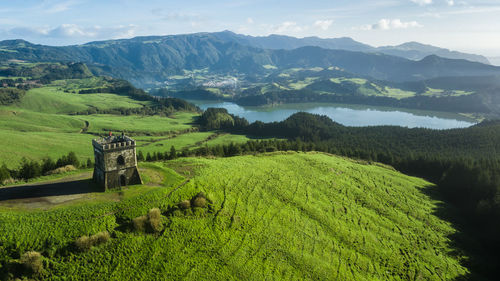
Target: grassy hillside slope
(40, 124)
(288, 216)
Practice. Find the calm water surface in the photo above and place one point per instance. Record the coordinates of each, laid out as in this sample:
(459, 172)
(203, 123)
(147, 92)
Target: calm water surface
(349, 115)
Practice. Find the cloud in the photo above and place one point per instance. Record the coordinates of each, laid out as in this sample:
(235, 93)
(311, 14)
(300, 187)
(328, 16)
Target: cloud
(387, 24)
(74, 31)
(422, 2)
(450, 2)
(176, 16)
(60, 7)
(287, 26)
(250, 21)
(323, 24)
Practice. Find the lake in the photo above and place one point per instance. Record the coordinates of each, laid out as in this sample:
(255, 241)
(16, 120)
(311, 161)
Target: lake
(348, 115)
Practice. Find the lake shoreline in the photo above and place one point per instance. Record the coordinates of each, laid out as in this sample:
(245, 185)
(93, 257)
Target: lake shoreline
(349, 115)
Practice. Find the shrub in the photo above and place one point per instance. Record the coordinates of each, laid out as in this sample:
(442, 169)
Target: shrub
(154, 217)
(185, 204)
(140, 223)
(67, 168)
(83, 243)
(101, 237)
(32, 261)
(199, 202)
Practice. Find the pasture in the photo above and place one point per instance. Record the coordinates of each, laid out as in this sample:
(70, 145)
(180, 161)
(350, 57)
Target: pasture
(292, 216)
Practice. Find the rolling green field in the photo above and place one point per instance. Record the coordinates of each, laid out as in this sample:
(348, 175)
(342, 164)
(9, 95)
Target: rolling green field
(52, 100)
(102, 123)
(281, 216)
(40, 125)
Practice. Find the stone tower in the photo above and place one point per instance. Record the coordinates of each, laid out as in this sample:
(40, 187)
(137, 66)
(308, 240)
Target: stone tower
(115, 162)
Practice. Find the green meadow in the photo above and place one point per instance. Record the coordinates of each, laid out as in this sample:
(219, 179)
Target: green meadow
(280, 216)
(41, 124)
(54, 100)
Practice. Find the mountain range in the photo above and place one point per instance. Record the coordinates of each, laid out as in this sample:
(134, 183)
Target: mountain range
(152, 59)
(409, 50)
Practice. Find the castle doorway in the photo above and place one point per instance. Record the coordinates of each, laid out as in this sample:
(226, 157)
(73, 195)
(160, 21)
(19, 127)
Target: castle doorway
(123, 180)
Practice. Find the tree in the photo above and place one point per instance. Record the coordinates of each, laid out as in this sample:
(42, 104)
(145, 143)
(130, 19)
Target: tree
(48, 165)
(173, 152)
(4, 173)
(140, 156)
(29, 169)
(72, 159)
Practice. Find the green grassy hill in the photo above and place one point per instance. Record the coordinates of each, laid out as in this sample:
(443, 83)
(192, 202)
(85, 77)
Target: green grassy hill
(42, 123)
(281, 216)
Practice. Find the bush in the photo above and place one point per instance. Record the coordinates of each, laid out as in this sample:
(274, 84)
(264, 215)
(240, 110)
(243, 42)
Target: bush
(32, 261)
(4, 173)
(85, 242)
(67, 168)
(154, 217)
(199, 202)
(101, 237)
(185, 204)
(140, 223)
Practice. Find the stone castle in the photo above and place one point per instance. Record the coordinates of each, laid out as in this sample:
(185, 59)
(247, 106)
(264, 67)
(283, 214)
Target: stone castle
(115, 162)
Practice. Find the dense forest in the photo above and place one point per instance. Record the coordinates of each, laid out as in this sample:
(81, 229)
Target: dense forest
(464, 163)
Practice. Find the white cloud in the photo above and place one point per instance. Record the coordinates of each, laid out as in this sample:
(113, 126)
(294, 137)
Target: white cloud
(60, 7)
(250, 21)
(323, 24)
(287, 26)
(75, 31)
(422, 2)
(386, 24)
(450, 2)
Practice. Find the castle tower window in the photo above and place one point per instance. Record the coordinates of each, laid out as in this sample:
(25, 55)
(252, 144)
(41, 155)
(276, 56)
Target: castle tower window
(120, 160)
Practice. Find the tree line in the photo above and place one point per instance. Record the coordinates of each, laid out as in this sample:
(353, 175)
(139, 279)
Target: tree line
(29, 169)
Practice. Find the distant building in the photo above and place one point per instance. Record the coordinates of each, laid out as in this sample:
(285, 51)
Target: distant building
(115, 162)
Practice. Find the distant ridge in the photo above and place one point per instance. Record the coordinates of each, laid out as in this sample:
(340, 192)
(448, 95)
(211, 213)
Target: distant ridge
(409, 50)
(149, 60)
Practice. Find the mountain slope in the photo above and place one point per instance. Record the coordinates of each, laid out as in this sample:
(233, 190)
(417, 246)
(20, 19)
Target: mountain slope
(288, 43)
(418, 51)
(279, 216)
(148, 60)
(409, 50)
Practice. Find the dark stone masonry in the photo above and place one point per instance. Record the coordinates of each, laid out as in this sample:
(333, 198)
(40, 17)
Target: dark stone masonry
(115, 162)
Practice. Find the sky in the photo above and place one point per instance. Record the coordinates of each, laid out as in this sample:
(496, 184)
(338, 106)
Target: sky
(469, 25)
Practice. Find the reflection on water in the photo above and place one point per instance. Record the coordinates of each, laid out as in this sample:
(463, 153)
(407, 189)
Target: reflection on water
(347, 115)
